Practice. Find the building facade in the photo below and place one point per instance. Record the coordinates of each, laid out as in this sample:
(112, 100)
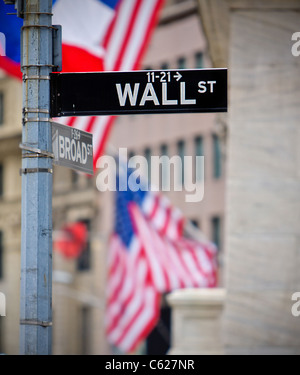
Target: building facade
(79, 284)
(10, 209)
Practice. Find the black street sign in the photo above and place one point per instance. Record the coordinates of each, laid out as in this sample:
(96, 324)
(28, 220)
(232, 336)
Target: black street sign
(72, 148)
(138, 92)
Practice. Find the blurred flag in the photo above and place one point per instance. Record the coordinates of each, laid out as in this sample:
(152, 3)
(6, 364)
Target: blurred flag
(71, 240)
(10, 27)
(149, 256)
(97, 35)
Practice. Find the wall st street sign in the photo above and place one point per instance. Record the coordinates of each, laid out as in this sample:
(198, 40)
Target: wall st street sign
(72, 148)
(139, 92)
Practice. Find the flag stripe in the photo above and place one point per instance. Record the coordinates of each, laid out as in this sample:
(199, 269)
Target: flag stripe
(116, 40)
(79, 122)
(129, 314)
(144, 322)
(125, 289)
(132, 18)
(138, 34)
(147, 34)
(110, 29)
(176, 263)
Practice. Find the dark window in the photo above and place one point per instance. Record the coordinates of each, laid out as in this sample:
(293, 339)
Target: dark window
(84, 260)
(217, 162)
(1, 255)
(1, 180)
(1, 108)
(75, 178)
(147, 155)
(195, 223)
(164, 66)
(216, 232)
(199, 173)
(131, 154)
(164, 150)
(199, 60)
(158, 341)
(181, 63)
(181, 153)
(164, 167)
(199, 146)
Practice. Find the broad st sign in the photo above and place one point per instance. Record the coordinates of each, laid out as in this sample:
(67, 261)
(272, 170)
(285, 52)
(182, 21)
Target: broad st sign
(139, 92)
(72, 148)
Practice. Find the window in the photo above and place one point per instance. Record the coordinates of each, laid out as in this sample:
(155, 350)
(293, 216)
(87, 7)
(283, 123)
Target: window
(84, 260)
(1, 180)
(131, 154)
(216, 232)
(1, 255)
(181, 153)
(199, 60)
(181, 63)
(1, 108)
(164, 168)
(199, 173)
(217, 162)
(195, 223)
(164, 66)
(75, 178)
(147, 154)
(159, 340)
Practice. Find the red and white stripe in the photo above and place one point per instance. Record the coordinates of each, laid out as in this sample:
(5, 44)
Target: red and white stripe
(166, 219)
(124, 43)
(154, 264)
(179, 263)
(132, 300)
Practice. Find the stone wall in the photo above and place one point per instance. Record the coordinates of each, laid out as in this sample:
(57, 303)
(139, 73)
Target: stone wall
(263, 206)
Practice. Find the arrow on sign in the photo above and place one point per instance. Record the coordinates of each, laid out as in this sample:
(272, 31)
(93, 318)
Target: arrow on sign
(178, 76)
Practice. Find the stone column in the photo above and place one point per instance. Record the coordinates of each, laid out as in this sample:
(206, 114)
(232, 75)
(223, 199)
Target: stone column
(263, 206)
(253, 38)
(196, 321)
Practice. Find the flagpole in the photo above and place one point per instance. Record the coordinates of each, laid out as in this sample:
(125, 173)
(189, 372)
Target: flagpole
(36, 248)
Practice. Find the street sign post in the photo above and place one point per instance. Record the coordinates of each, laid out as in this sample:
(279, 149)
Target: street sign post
(72, 148)
(139, 92)
(37, 170)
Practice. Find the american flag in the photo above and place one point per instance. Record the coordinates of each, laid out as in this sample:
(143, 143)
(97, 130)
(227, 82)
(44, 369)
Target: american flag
(97, 35)
(149, 256)
(121, 32)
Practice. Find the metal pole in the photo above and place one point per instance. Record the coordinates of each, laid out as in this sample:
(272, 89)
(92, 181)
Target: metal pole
(36, 250)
